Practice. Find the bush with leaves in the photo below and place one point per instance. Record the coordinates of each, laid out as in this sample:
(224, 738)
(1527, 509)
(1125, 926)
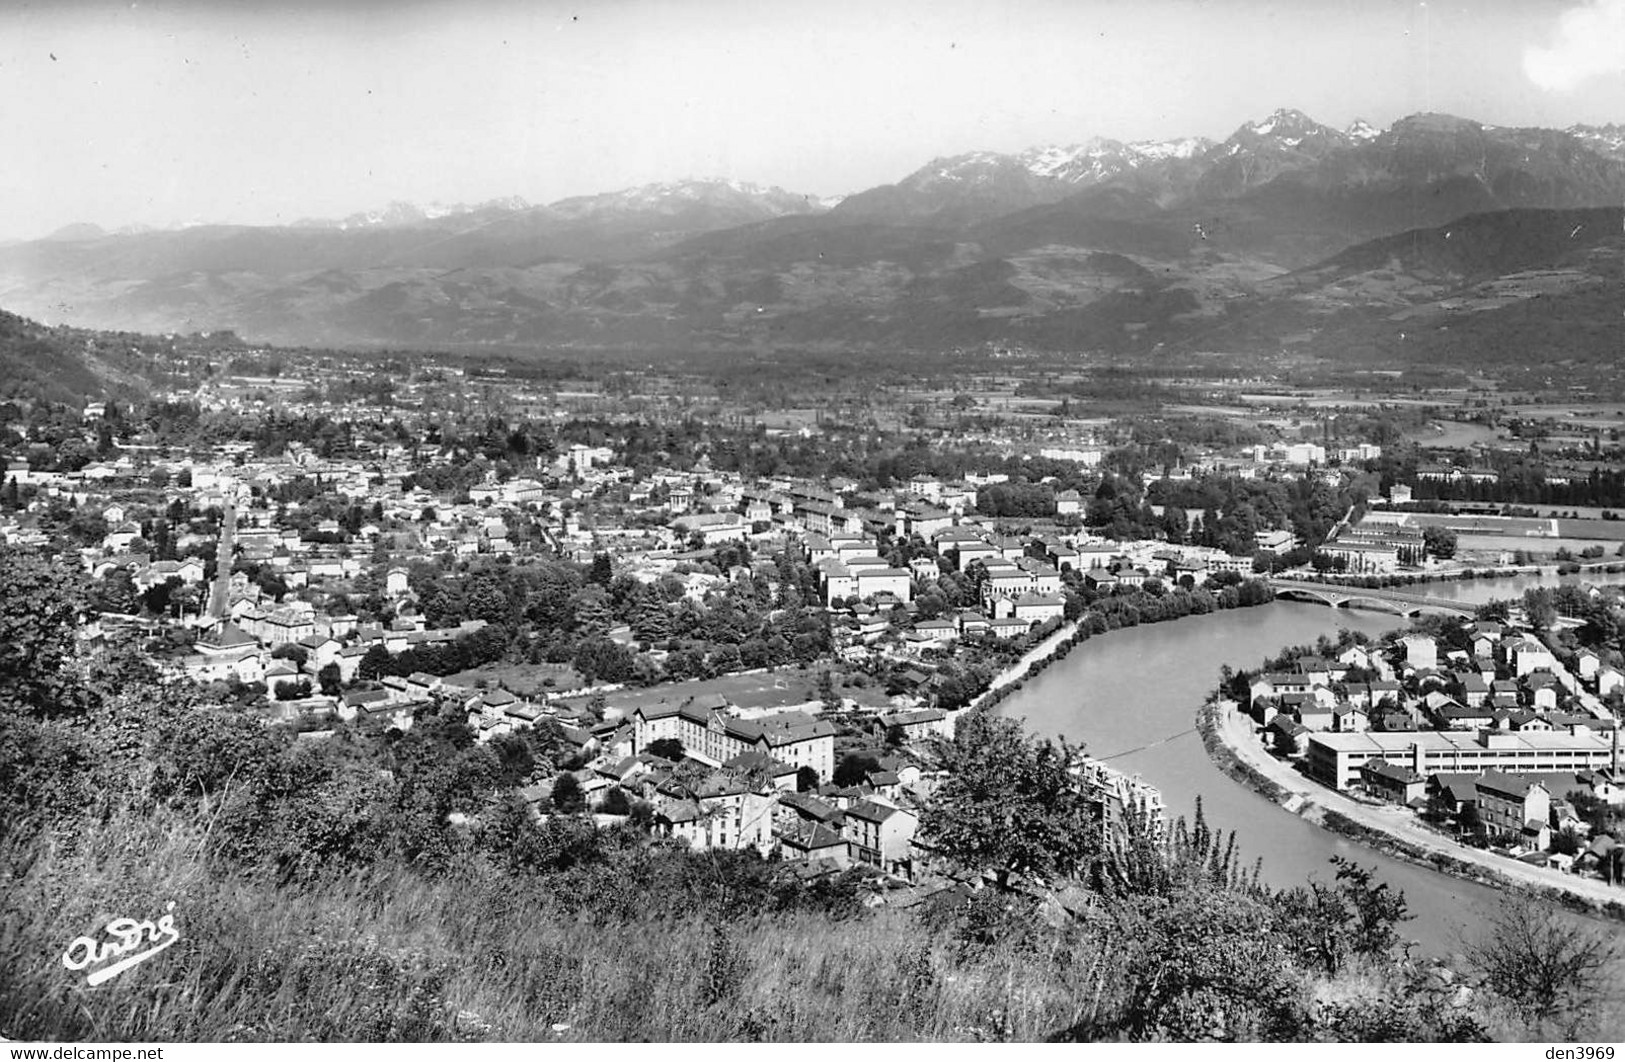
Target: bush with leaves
(1549, 968)
(40, 602)
(1354, 916)
(1411, 1005)
(984, 921)
(1210, 965)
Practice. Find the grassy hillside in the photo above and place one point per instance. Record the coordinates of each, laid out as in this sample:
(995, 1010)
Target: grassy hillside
(388, 953)
(36, 364)
(75, 365)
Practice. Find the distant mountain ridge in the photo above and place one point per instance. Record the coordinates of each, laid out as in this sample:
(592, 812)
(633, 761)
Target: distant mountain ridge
(665, 197)
(1102, 244)
(400, 212)
(1286, 145)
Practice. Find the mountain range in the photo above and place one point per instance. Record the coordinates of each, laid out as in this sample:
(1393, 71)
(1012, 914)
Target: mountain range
(1103, 245)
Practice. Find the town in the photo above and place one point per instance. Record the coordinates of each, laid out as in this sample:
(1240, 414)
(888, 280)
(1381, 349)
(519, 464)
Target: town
(738, 658)
(646, 523)
(1492, 732)
(730, 628)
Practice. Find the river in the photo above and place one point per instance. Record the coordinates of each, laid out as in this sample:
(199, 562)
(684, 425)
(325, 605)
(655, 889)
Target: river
(1139, 687)
(1478, 591)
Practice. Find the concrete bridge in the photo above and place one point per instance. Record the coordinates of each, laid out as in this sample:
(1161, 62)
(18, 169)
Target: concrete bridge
(1396, 602)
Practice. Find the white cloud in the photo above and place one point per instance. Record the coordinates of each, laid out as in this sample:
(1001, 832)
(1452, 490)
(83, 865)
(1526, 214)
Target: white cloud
(1588, 41)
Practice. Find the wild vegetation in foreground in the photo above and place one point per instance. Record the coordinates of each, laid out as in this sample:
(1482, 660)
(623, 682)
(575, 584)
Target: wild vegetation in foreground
(394, 888)
(636, 943)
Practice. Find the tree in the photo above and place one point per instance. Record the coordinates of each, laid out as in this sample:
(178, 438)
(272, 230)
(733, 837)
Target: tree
(567, 795)
(375, 663)
(39, 607)
(1010, 802)
(652, 623)
(601, 660)
(291, 651)
(1567, 841)
(602, 571)
(826, 691)
(115, 592)
(666, 748)
(592, 610)
(854, 768)
(155, 598)
(616, 802)
(1540, 607)
(1439, 541)
(806, 779)
(1375, 908)
(331, 679)
(1531, 954)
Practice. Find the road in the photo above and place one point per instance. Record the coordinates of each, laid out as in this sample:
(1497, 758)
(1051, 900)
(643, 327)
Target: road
(1237, 730)
(1038, 652)
(1568, 681)
(225, 551)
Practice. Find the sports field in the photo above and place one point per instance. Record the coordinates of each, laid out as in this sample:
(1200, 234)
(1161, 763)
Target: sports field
(1538, 529)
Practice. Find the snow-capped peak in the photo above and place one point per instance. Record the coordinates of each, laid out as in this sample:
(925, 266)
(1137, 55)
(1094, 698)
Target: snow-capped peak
(1056, 161)
(401, 212)
(1099, 157)
(1611, 137)
(1184, 148)
(1360, 129)
(671, 196)
(1283, 124)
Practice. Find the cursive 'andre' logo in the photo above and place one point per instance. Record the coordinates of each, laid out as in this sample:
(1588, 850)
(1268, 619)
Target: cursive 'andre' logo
(129, 946)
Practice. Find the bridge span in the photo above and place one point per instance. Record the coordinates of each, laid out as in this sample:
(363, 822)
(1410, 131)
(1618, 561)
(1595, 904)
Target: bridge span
(1394, 601)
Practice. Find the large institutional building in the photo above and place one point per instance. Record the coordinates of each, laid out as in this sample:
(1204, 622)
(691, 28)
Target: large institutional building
(1335, 759)
(712, 735)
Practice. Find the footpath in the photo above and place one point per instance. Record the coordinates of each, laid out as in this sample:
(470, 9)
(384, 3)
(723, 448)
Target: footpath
(1308, 800)
(1018, 670)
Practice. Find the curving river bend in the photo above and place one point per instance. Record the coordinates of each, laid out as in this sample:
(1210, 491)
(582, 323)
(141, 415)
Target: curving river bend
(1124, 691)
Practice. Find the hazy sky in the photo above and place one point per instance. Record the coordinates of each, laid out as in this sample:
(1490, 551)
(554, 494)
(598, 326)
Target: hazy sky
(172, 111)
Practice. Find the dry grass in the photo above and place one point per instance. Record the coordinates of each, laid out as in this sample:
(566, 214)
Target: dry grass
(387, 954)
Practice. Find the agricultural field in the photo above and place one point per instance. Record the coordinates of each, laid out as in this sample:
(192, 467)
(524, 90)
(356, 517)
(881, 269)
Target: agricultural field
(1458, 435)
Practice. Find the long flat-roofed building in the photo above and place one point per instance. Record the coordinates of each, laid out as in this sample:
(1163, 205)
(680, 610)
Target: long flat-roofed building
(1335, 759)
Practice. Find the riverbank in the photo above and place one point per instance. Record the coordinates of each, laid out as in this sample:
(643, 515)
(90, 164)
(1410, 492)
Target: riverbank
(1044, 650)
(1116, 613)
(1229, 737)
(1390, 580)
(1454, 575)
